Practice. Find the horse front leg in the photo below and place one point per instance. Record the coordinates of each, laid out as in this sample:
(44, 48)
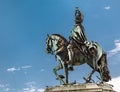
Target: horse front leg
(88, 79)
(59, 77)
(66, 73)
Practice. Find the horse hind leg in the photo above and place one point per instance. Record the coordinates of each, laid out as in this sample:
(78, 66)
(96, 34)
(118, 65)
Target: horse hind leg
(59, 77)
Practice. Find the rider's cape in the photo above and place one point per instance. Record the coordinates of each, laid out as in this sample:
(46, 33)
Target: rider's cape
(78, 36)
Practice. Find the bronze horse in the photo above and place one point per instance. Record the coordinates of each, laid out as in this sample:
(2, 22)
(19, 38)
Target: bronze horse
(58, 45)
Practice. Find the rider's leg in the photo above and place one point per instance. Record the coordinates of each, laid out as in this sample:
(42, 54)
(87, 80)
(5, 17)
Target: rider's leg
(70, 55)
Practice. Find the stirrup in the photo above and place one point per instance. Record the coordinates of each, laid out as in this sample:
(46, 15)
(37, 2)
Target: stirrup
(70, 68)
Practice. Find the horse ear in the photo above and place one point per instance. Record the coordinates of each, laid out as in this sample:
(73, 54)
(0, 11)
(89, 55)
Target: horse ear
(47, 35)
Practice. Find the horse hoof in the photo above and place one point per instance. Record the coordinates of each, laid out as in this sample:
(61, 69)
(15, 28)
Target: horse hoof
(87, 80)
(60, 76)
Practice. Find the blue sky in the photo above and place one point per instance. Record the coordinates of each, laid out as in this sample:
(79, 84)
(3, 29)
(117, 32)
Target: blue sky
(24, 25)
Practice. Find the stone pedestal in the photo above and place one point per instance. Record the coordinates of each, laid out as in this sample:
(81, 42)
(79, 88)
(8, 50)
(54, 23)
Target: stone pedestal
(88, 87)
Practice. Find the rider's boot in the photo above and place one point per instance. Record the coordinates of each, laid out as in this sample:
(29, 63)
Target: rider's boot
(70, 68)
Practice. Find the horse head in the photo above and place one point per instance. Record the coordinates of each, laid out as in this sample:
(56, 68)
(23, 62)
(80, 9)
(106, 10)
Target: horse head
(49, 44)
(55, 43)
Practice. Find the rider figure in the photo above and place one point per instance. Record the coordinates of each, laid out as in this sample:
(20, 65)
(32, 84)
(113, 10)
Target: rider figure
(78, 22)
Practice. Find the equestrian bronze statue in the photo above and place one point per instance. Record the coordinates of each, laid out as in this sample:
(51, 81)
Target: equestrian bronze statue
(77, 51)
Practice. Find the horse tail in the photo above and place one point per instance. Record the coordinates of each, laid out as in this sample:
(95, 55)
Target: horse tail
(105, 74)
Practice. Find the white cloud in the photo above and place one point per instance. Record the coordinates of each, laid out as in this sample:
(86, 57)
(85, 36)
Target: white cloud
(27, 66)
(42, 70)
(116, 84)
(116, 50)
(6, 88)
(29, 84)
(2, 86)
(31, 87)
(12, 69)
(107, 7)
(40, 90)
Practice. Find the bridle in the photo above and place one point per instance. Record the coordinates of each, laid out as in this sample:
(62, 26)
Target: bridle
(49, 46)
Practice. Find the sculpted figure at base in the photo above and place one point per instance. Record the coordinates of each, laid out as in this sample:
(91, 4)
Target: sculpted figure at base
(77, 51)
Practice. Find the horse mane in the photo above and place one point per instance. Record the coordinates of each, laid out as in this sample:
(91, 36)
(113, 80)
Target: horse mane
(60, 37)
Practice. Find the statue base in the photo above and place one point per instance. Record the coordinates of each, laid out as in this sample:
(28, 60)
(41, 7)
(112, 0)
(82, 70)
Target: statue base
(88, 87)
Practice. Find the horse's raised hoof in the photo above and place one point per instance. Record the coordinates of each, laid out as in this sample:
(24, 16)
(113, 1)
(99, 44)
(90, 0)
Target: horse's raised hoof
(60, 76)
